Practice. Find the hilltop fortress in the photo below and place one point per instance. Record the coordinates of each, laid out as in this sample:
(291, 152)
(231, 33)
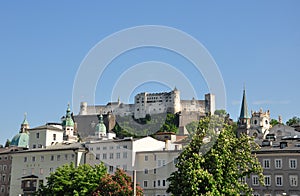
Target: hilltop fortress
(153, 103)
(144, 104)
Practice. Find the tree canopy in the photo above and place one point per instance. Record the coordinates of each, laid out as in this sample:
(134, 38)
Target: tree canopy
(216, 167)
(171, 123)
(293, 121)
(118, 184)
(70, 180)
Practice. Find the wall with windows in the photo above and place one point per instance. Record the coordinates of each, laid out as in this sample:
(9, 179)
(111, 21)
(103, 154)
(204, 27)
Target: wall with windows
(31, 167)
(153, 169)
(281, 171)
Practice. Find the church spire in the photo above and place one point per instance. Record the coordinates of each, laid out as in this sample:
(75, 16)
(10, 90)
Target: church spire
(244, 107)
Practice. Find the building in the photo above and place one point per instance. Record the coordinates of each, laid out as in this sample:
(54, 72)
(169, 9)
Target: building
(279, 153)
(144, 104)
(31, 167)
(257, 125)
(44, 148)
(154, 168)
(120, 153)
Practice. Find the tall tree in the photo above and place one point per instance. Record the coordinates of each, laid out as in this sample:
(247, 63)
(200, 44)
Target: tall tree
(7, 143)
(119, 184)
(70, 180)
(216, 167)
(293, 121)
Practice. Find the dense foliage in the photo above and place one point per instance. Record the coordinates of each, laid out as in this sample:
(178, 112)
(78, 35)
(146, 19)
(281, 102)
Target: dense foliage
(119, 184)
(293, 121)
(171, 123)
(215, 167)
(70, 180)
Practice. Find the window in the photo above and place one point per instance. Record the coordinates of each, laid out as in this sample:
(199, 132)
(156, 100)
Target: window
(33, 146)
(58, 157)
(104, 156)
(33, 159)
(66, 156)
(98, 148)
(256, 194)
(0, 167)
(243, 179)
(111, 147)
(145, 183)
(158, 182)
(52, 158)
(104, 147)
(42, 158)
(154, 183)
(268, 180)
(3, 178)
(124, 155)
(73, 156)
(41, 171)
(146, 171)
(146, 157)
(40, 146)
(278, 163)
(118, 155)
(51, 169)
(97, 156)
(111, 155)
(37, 135)
(154, 171)
(278, 180)
(255, 181)
(125, 146)
(124, 167)
(4, 167)
(118, 147)
(111, 169)
(293, 180)
(293, 163)
(54, 137)
(25, 159)
(164, 182)
(266, 163)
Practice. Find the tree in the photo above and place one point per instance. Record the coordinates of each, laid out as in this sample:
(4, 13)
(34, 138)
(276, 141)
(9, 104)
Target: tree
(216, 167)
(171, 123)
(274, 122)
(70, 180)
(221, 113)
(119, 184)
(7, 143)
(293, 121)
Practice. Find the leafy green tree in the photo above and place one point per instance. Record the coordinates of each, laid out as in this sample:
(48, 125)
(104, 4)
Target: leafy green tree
(216, 167)
(171, 123)
(7, 143)
(274, 122)
(69, 180)
(221, 113)
(192, 127)
(119, 184)
(293, 121)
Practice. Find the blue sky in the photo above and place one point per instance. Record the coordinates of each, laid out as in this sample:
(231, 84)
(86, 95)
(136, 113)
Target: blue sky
(42, 45)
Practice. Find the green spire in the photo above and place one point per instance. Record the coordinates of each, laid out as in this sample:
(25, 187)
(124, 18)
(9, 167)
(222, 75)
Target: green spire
(25, 122)
(244, 108)
(100, 128)
(68, 122)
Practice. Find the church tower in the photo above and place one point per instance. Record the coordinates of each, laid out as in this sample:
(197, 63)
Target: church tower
(100, 128)
(244, 119)
(68, 126)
